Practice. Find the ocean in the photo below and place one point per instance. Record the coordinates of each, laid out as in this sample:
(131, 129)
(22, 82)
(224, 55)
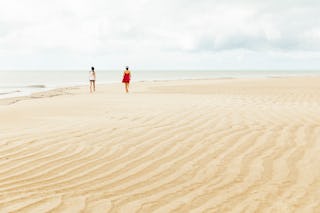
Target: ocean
(24, 82)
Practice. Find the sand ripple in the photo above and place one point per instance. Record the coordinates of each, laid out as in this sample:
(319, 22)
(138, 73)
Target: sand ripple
(210, 148)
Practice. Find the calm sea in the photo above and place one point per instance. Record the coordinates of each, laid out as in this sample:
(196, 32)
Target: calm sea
(21, 83)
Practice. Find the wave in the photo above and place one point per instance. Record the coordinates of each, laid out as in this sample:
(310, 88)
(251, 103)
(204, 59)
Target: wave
(24, 86)
(9, 92)
(36, 86)
(16, 91)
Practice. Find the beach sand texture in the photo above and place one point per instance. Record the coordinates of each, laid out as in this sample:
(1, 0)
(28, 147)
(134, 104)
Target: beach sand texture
(227, 145)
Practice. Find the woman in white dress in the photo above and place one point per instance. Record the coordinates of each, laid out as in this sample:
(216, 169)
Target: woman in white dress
(92, 80)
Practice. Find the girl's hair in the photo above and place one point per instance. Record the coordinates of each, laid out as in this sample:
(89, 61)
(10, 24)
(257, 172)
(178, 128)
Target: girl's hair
(127, 68)
(92, 68)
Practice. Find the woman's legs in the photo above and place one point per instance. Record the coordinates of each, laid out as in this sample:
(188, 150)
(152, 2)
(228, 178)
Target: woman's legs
(127, 87)
(92, 86)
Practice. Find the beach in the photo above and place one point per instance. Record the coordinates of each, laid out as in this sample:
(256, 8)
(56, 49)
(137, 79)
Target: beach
(219, 145)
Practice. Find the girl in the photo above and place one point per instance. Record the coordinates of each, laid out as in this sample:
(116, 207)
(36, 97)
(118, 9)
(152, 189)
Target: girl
(126, 78)
(92, 79)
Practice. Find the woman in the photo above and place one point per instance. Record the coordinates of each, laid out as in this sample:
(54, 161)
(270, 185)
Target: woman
(126, 78)
(92, 79)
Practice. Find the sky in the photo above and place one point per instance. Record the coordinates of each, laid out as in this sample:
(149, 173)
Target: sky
(158, 35)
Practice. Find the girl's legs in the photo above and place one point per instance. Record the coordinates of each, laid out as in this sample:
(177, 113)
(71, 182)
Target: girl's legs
(127, 87)
(92, 86)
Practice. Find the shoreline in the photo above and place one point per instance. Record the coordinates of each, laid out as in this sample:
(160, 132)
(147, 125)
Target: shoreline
(36, 87)
(50, 92)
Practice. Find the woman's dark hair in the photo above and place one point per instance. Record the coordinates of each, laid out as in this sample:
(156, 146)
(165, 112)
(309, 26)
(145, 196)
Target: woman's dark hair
(92, 68)
(127, 68)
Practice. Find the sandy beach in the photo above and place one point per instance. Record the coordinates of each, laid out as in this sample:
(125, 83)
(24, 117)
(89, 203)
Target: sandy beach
(223, 145)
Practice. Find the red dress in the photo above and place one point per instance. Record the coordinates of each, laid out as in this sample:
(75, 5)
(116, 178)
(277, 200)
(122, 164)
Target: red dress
(126, 78)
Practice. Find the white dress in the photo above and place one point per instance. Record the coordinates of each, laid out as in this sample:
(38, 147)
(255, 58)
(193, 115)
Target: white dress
(92, 76)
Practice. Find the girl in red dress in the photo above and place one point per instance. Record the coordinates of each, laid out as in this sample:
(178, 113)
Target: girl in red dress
(126, 78)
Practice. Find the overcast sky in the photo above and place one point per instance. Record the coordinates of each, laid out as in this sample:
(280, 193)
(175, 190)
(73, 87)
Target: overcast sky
(162, 34)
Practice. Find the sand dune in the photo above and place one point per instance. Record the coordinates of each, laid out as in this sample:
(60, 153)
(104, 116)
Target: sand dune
(183, 146)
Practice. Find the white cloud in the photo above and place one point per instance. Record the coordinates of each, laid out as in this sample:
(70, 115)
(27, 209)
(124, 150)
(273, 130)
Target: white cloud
(165, 34)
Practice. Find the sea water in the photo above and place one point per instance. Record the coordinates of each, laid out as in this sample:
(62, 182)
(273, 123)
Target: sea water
(25, 82)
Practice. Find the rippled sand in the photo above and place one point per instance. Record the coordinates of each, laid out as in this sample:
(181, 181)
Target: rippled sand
(182, 146)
